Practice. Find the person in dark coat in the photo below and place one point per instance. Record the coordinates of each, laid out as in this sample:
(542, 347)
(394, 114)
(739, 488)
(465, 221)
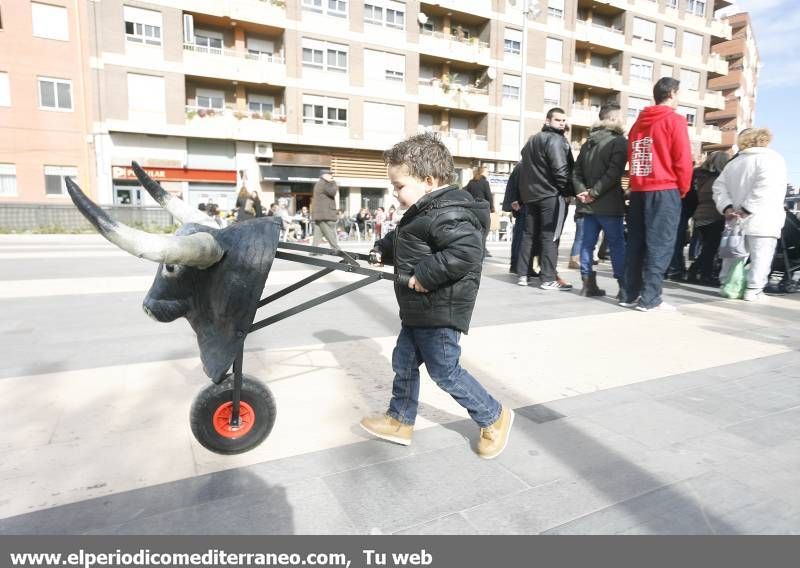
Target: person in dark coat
(437, 251)
(514, 205)
(323, 210)
(708, 222)
(597, 179)
(478, 187)
(545, 182)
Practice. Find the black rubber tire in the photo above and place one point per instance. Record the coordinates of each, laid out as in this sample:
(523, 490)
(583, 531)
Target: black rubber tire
(255, 393)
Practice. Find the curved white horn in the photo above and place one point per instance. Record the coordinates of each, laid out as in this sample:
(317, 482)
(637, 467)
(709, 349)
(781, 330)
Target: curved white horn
(176, 206)
(200, 250)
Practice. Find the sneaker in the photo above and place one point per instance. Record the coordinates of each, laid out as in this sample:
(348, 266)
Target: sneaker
(629, 304)
(522, 281)
(494, 437)
(754, 295)
(662, 307)
(555, 285)
(387, 428)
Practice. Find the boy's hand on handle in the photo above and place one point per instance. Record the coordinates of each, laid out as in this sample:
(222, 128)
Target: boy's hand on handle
(416, 286)
(375, 257)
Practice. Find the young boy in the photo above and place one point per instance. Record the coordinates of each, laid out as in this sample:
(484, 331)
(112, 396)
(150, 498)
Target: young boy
(437, 251)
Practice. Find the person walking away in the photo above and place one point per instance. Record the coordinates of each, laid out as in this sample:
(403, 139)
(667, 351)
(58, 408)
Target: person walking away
(323, 210)
(437, 254)
(545, 183)
(660, 159)
(708, 222)
(478, 187)
(597, 179)
(751, 189)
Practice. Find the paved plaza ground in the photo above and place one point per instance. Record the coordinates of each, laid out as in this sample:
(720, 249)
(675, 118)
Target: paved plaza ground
(627, 422)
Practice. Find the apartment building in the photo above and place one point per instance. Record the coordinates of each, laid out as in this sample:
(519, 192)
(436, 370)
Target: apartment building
(739, 86)
(211, 96)
(43, 100)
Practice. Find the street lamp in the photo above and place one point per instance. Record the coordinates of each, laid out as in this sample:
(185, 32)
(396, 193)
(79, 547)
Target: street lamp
(530, 9)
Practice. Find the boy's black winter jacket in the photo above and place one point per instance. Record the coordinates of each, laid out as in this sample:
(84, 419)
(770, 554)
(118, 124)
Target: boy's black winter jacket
(440, 240)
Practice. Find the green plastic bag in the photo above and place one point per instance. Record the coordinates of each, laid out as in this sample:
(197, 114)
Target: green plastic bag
(736, 282)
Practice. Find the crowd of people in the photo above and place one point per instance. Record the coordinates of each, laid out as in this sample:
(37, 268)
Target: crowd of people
(645, 228)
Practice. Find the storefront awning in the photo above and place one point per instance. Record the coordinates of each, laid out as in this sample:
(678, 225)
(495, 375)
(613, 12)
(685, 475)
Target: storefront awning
(300, 174)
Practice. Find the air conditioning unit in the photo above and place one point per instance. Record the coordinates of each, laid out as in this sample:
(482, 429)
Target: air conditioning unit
(263, 150)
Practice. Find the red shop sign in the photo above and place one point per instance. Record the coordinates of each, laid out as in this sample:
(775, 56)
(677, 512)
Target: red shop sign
(176, 174)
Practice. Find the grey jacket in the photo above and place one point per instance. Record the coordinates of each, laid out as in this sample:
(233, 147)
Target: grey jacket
(323, 205)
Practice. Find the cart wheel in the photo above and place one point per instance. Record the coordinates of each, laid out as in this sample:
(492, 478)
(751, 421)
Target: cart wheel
(212, 409)
(790, 287)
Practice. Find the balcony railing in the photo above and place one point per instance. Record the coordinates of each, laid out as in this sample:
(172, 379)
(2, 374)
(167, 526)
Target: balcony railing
(471, 41)
(437, 82)
(193, 111)
(224, 52)
(458, 134)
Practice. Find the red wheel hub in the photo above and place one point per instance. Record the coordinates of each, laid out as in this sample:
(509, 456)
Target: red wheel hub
(222, 420)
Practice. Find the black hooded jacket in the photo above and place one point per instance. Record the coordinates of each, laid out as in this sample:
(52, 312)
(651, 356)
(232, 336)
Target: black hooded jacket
(546, 169)
(440, 240)
(599, 170)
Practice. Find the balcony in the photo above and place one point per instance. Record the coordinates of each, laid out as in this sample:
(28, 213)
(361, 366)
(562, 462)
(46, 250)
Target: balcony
(463, 97)
(711, 134)
(233, 65)
(598, 34)
(717, 64)
(448, 46)
(260, 11)
(720, 29)
(606, 77)
(583, 115)
(461, 142)
(482, 7)
(235, 124)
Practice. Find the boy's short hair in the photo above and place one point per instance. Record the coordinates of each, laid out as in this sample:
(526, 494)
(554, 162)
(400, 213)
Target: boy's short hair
(424, 155)
(554, 110)
(607, 110)
(664, 88)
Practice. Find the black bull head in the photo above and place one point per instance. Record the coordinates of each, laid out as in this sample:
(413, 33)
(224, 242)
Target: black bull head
(213, 277)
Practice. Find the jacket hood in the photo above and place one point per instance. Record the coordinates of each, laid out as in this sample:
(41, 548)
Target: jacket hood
(548, 128)
(652, 114)
(448, 196)
(609, 125)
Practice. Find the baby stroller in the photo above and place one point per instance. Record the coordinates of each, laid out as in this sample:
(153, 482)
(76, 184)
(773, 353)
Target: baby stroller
(787, 257)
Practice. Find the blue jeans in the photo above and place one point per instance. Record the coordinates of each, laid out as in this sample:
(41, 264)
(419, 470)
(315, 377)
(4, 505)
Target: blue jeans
(438, 348)
(653, 219)
(615, 234)
(579, 232)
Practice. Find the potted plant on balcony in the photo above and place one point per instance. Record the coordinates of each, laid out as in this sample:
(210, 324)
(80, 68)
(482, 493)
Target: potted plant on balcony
(240, 115)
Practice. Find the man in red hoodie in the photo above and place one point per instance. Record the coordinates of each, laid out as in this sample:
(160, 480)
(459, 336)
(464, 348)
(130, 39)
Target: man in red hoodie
(660, 159)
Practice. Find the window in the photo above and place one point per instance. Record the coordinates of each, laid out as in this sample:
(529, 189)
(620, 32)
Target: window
(644, 30)
(689, 112)
(55, 94)
(5, 90)
(389, 13)
(459, 126)
(667, 70)
(211, 99)
(668, 40)
(554, 50)
(385, 119)
(8, 180)
(380, 66)
(641, 69)
(336, 8)
(513, 41)
(260, 48)
(323, 55)
(262, 104)
(142, 26)
(146, 98)
(552, 93)
(324, 110)
(692, 44)
(690, 80)
(50, 22)
(511, 86)
(671, 4)
(510, 134)
(208, 41)
(555, 8)
(635, 106)
(54, 179)
(696, 7)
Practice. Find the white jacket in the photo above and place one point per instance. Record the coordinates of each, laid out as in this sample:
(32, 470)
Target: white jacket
(756, 181)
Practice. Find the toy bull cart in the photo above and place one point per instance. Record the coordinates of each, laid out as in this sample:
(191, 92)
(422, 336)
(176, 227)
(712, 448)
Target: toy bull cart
(214, 278)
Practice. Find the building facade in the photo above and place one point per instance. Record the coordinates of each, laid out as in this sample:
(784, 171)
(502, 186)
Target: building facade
(740, 86)
(212, 96)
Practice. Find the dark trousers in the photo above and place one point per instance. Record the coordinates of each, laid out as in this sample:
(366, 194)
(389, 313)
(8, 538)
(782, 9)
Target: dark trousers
(516, 236)
(677, 265)
(541, 223)
(653, 219)
(710, 236)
